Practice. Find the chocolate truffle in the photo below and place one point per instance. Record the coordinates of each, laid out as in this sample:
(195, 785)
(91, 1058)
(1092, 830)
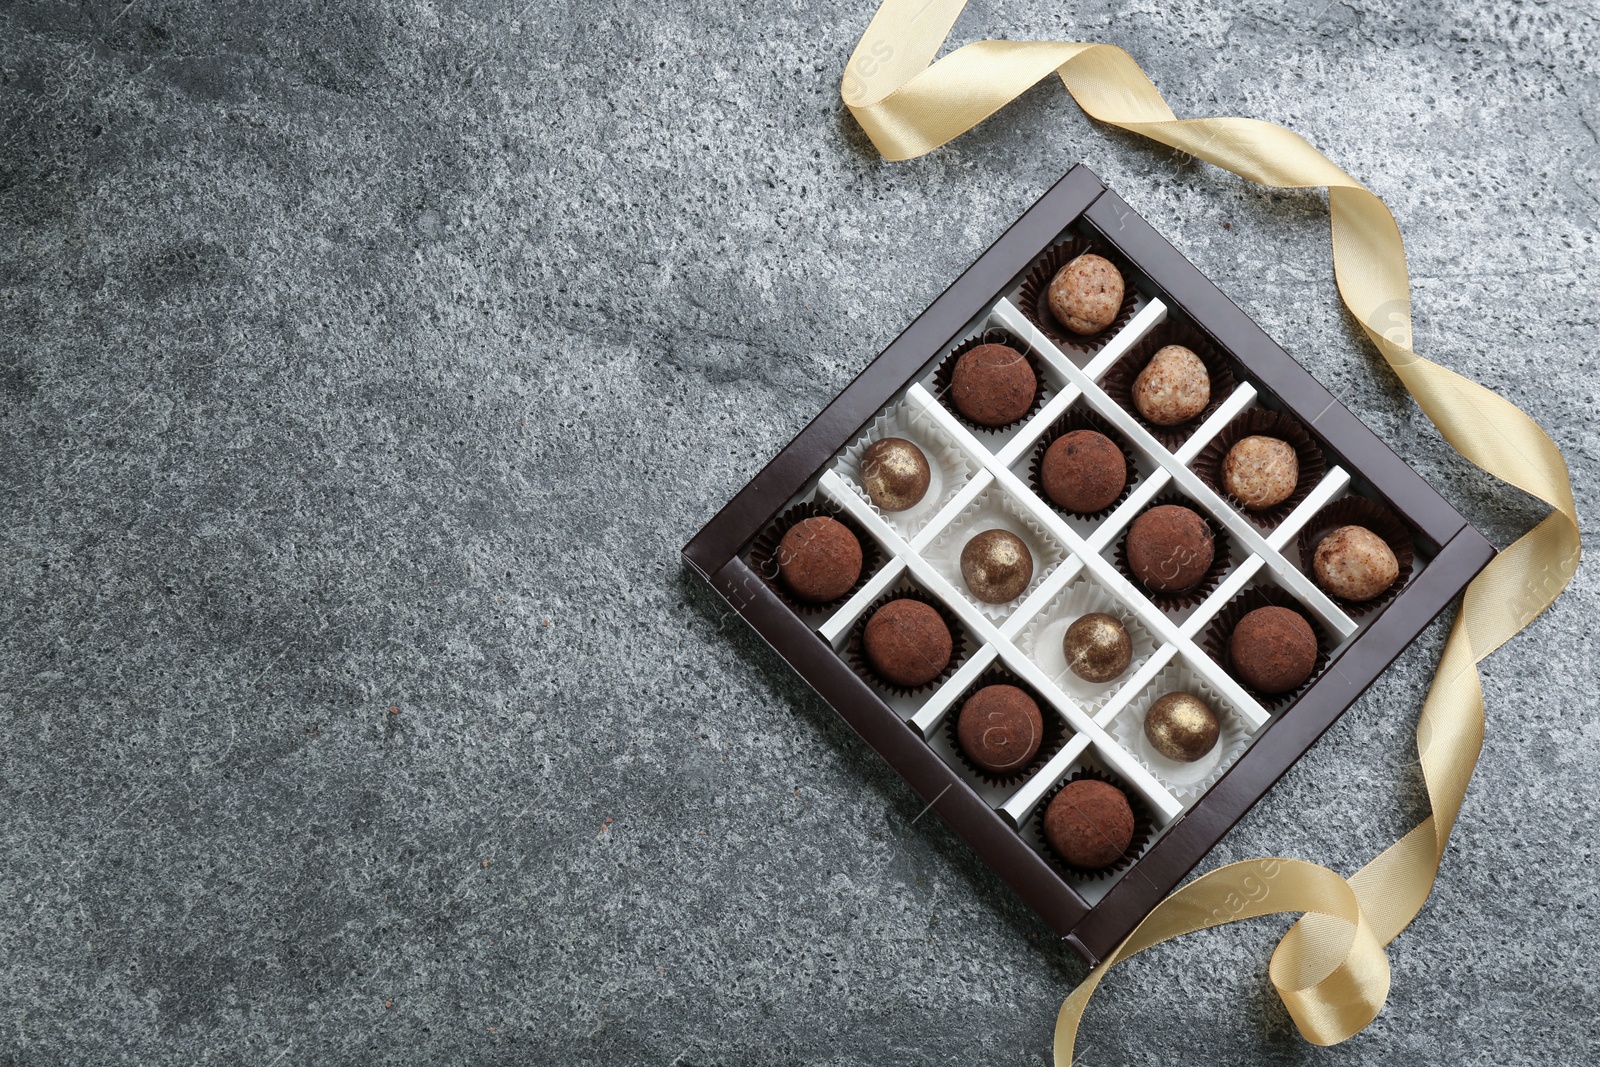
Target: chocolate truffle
(1000, 728)
(1181, 727)
(1089, 824)
(997, 566)
(1083, 471)
(895, 474)
(1086, 294)
(993, 385)
(819, 559)
(907, 643)
(1260, 472)
(1173, 388)
(1170, 548)
(1273, 649)
(1097, 647)
(1355, 563)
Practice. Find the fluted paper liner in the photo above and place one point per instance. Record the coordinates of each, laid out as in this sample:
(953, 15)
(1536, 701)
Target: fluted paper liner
(1079, 417)
(1142, 826)
(763, 555)
(1186, 781)
(993, 335)
(1359, 511)
(1033, 298)
(1267, 423)
(1219, 631)
(856, 653)
(1221, 558)
(1040, 640)
(949, 468)
(994, 509)
(1055, 732)
(1118, 381)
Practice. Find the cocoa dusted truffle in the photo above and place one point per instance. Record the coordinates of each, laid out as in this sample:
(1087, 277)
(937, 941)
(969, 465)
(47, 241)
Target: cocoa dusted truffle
(819, 559)
(1260, 472)
(1173, 388)
(1273, 649)
(1181, 727)
(1000, 728)
(1086, 294)
(1355, 563)
(997, 566)
(1170, 548)
(895, 474)
(1089, 824)
(907, 643)
(993, 385)
(1083, 471)
(1097, 647)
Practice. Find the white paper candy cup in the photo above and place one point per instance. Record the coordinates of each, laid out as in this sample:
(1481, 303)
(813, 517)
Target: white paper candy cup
(994, 510)
(1040, 640)
(949, 468)
(1186, 780)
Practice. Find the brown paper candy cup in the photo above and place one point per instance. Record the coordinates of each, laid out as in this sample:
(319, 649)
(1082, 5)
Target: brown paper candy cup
(1359, 511)
(1034, 296)
(1220, 631)
(1118, 381)
(1142, 826)
(1187, 598)
(1079, 417)
(994, 335)
(763, 554)
(1054, 736)
(856, 653)
(1267, 423)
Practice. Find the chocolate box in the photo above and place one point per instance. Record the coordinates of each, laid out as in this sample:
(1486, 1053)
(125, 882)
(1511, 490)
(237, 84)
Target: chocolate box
(987, 478)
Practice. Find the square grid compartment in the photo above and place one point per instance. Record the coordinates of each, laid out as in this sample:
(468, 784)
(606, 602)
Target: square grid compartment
(982, 479)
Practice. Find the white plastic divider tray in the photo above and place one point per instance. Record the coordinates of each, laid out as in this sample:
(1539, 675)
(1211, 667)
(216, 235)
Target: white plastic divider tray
(990, 473)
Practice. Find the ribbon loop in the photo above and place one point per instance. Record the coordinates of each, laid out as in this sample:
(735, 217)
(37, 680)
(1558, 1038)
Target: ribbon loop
(1329, 969)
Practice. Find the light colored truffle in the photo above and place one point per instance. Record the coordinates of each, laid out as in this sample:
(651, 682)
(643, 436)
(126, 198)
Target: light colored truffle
(1260, 472)
(1086, 294)
(1173, 387)
(1355, 563)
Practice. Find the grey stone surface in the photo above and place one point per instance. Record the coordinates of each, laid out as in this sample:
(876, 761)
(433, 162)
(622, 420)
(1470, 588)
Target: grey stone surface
(365, 365)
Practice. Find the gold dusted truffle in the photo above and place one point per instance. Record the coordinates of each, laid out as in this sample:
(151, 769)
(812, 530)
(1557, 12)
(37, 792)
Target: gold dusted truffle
(1181, 727)
(1355, 563)
(1097, 647)
(895, 474)
(1260, 472)
(1173, 388)
(997, 566)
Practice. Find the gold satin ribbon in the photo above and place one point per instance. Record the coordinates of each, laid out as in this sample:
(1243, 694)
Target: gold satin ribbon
(1330, 968)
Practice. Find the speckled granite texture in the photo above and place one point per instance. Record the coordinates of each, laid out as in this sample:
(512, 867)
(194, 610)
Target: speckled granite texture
(364, 367)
